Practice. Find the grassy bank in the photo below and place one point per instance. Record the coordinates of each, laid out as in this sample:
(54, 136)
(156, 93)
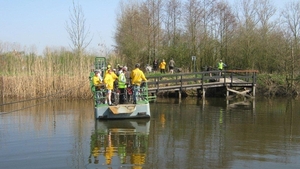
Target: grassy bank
(277, 85)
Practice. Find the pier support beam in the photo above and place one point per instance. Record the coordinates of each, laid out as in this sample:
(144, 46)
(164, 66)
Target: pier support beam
(203, 92)
(242, 93)
(179, 94)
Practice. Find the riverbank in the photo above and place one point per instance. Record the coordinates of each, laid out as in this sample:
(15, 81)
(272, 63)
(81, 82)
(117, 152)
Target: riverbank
(78, 87)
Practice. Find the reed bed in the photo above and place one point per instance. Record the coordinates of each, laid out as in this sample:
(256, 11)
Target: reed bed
(58, 74)
(41, 86)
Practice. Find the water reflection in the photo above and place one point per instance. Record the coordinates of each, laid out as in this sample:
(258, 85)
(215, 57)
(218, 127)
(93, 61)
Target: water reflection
(120, 142)
(190, 133)
(214, 133)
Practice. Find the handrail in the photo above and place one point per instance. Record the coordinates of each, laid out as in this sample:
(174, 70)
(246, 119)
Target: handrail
(185, 79)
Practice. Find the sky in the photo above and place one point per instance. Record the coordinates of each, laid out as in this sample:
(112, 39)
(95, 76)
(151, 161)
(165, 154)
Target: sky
(33, 25)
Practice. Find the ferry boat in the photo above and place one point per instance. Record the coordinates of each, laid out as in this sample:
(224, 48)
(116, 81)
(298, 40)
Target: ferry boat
(128, 110)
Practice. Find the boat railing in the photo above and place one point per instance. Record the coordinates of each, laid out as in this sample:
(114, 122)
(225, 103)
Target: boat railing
(100, 96)
(143, 94)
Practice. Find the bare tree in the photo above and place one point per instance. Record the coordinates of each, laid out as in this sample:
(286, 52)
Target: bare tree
(192, 17)
(291, 23)
(153, 14)
(246, 42)
(224, 26)
(173, 29)
(76, 28)
(265, 11)
(198, 18)
(130, 33)
(172, 21)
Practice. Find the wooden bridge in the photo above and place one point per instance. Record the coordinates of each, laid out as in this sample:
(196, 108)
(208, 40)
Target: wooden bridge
(230, 79)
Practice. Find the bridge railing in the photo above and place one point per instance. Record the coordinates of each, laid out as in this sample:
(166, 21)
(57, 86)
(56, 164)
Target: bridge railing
(248, 76)
(205, 78)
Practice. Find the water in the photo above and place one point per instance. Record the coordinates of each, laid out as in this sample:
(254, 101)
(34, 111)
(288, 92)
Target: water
(187, 133)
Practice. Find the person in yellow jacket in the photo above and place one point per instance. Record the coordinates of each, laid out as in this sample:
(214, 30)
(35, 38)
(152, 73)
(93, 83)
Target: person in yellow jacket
(162, 66)
(97, 79)
(107, 68)
(137, 76)
(109, 79)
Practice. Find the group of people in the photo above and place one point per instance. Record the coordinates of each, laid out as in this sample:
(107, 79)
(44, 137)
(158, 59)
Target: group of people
(110, 77)
(162, 66)
(136, 78)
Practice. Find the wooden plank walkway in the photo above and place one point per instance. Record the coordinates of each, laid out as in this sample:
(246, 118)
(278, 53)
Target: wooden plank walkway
(203, 81)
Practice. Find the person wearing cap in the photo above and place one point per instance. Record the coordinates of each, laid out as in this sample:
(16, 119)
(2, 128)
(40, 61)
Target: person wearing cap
(120, 69)
(127, 74)
(107, 68)
(221, 65)
(122, 85)
(109, 79)
(137, 76)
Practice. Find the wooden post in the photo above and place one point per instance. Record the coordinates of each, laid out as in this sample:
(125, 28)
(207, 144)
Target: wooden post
(253, 106)
(227, 92)
(179, 94)
(254, 84)
(203, 92)
(2, 88)
(253, 90)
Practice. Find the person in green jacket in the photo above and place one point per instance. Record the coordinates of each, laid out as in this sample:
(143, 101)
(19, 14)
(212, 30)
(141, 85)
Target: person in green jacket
(122, 85)
(221, 66)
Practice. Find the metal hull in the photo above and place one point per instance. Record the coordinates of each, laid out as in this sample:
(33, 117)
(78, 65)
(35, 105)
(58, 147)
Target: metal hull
(123, 111)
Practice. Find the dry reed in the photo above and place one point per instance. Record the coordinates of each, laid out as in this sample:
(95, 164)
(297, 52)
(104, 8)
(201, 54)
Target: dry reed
(56, 75)
(42, 86)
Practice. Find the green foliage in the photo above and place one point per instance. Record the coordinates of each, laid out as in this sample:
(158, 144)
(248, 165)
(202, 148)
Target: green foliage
(263, 79)
(242, 41)
(274, 84)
